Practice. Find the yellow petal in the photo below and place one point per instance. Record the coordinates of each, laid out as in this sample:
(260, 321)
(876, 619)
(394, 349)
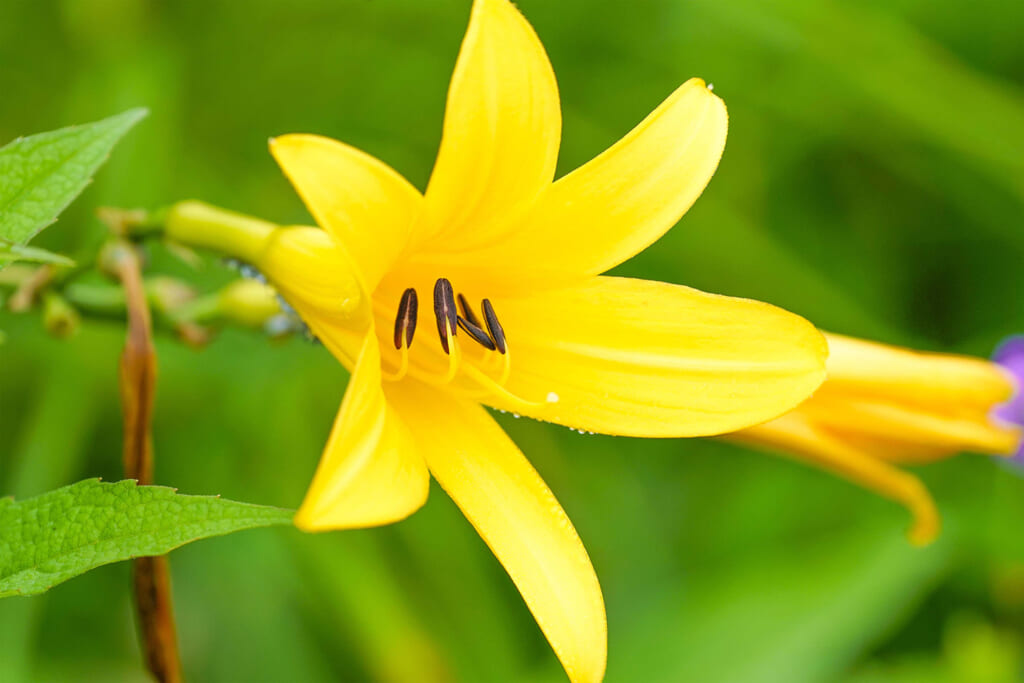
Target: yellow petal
(309, 269)
(892, 448)
(366, 206)
(370, 472)
(951, 431)
(947, 382)
(623, 200)
(318, 280)
(641, 358)
(501, 128)
(517, 515)
(796, 436)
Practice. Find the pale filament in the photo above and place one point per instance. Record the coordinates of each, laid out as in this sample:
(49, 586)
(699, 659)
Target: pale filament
(454, 356)
(403, 366)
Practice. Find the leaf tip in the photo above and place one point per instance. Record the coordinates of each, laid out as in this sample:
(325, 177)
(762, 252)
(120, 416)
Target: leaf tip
(134, 115)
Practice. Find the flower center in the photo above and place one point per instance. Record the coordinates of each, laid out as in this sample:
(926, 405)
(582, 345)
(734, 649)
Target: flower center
(452, 313)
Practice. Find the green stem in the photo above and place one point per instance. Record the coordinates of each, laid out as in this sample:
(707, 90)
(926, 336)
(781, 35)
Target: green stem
(102, 299)
(202, 309)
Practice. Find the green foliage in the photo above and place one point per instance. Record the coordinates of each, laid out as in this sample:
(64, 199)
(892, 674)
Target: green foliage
(56, 536)
(10, 252)
(41, 174)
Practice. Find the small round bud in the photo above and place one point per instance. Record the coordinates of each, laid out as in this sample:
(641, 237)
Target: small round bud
(60, 318)
(248, 302)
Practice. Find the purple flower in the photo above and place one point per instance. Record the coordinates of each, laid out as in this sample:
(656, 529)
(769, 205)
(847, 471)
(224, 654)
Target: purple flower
(1010, 355)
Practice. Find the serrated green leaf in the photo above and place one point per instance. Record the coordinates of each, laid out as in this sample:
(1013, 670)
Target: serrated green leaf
(63, 533)
(41, 174)
(10, 252)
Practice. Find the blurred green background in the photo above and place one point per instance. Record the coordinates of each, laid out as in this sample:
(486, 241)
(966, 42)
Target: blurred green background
(873, 182)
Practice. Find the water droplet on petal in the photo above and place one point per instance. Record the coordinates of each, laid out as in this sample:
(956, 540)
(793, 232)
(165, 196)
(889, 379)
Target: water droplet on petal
(552, 397)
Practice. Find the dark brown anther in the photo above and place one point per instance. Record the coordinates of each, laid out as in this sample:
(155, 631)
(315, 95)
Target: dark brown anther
(478, 335)
(405, 321)
(444, 311)
(468, 313)
(494, 327)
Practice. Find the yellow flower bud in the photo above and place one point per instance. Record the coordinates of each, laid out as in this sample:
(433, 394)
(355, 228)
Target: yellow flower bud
(248, 302)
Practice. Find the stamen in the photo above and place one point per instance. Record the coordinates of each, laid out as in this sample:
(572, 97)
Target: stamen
(456, 354)
(506, 366)
(494, 327)
(403, 367)
(468, 313)
(448, 321)
(405, 321)
(444, 311)
(474, 331)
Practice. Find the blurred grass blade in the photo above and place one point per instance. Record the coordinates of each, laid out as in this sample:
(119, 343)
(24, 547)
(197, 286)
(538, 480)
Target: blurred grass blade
(892, 73)
(56, 536)
(800, 615)
(45, 449)
(41, 174)
(352, 590)
(9, 252)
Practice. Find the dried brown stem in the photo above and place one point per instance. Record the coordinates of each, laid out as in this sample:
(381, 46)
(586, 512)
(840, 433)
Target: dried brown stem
(138, 382)
(28, 291)
(152, 583)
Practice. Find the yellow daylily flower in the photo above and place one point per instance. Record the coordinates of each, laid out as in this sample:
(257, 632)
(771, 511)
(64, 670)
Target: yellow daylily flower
(883, 406)
(509, 264)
